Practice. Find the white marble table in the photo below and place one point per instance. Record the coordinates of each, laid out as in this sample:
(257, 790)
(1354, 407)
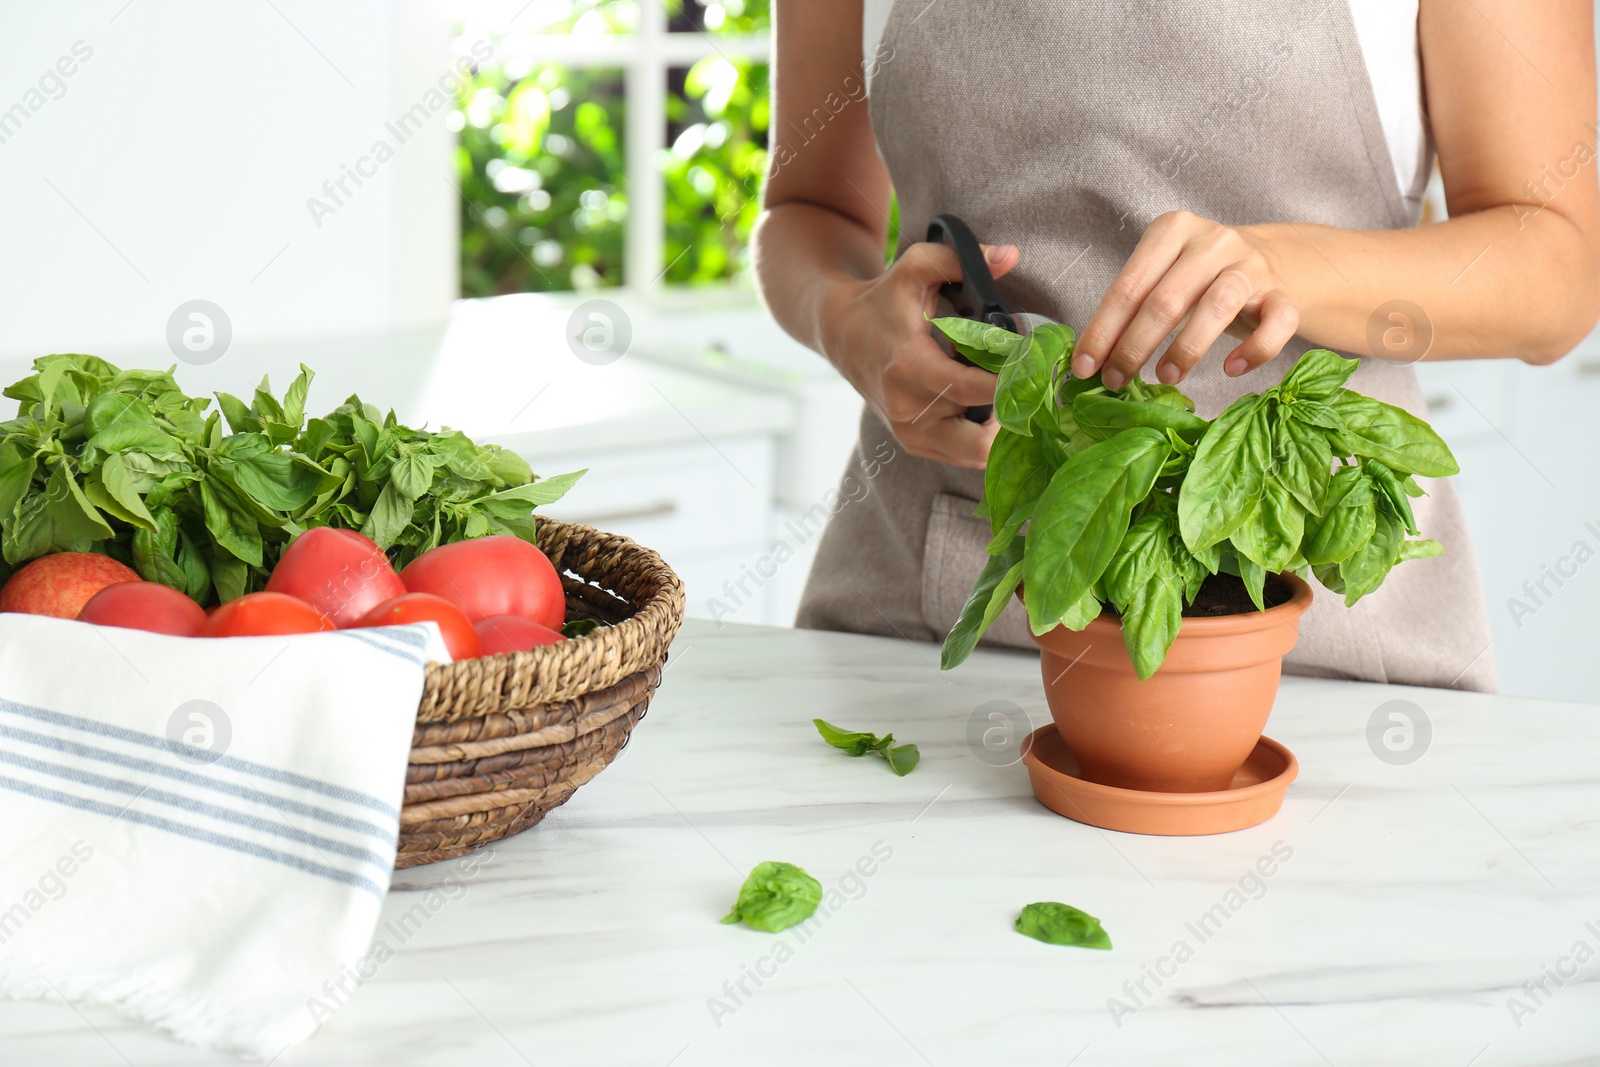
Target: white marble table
(1406, 907)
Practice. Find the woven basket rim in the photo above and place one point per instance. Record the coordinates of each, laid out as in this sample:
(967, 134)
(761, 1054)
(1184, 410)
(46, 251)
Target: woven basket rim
(634, 643)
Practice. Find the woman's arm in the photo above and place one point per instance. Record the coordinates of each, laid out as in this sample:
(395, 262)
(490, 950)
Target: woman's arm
(818, 246)
(1514, 272)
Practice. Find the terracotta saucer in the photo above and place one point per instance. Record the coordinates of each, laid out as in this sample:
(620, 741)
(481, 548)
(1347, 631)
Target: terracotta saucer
(1254, 797)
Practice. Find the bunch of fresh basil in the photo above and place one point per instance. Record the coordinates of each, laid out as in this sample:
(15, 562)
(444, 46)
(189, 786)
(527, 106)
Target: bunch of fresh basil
(124, 463)
(1131, 500)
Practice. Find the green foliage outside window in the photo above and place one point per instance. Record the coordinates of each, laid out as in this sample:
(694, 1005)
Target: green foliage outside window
(542, 173)
(540, 166)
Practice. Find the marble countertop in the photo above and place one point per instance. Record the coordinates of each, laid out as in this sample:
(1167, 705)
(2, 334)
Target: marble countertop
(1442, 911)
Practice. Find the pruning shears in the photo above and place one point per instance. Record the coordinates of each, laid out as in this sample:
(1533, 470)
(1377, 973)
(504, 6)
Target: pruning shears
(975, 296)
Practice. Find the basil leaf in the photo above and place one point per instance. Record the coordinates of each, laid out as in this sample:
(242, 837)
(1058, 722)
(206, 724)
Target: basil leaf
(856, 743)
(74, 517)
(460, 455)
(119, 484)
(240, 420)
(996, 583)
(1271, 535)
(230, 575)
(1348, 523)
(112, 409)
(231, 527)
(1082, 516)
(264, 405)
(1016, 474)
(978, 357)
(145, 436)
(1226, 474)
(1102, 416)
(294, 401)
(774, 897)
(411, 475)
(1081, 614)
(275, 480)
(94, 490)
(983, 337)
(1062, 924)
(1419, 550)
(51, 385)
(1315, 413)
(1254, 577)
(1368, 566)
(1384, 432)
(32, 533)
(1304, 458)
(196, 575)
(154, 550)
(389, 517)
(1150, 623)
(506, 466)
(902, 759)
(1392, 494)
(1317, 375)
(543, 491)
(1024, 384)
(579, 627)
(1328, 575)
(1145, 584)
(16, 476)
(1140, 558)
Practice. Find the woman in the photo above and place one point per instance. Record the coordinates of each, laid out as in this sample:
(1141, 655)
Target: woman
(1162, 175)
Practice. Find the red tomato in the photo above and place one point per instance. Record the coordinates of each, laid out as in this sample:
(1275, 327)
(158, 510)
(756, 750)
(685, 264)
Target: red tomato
(459, 636)
(61, 584)
(338, 572)
(357, 536)
(256, 614)
(494, 575)
(513, 633)
(151, 606)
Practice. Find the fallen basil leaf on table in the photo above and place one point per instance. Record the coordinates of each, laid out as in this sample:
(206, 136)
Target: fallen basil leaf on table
(1062, 924)
(774, 897)
(902, 759)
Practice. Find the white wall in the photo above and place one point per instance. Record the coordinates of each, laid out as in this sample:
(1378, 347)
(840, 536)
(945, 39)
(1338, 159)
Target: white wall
(177, 160)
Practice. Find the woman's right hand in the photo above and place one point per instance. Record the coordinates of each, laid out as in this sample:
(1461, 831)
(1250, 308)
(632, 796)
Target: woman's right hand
(876, 333)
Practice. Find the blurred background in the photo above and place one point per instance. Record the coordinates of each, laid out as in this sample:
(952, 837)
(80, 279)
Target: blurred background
(528, 220)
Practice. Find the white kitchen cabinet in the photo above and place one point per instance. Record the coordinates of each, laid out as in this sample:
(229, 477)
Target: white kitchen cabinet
(707, 510)
(1526, 438)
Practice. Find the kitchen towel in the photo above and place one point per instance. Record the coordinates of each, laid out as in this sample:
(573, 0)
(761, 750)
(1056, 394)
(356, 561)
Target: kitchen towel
(199, 833)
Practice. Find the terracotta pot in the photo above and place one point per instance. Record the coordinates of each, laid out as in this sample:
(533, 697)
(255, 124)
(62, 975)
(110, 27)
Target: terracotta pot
(1191, 725)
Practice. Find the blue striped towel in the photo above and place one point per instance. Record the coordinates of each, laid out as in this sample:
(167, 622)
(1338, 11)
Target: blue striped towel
(199, 833)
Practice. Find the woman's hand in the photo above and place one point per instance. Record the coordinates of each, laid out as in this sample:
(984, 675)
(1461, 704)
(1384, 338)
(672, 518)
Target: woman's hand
(876, 333)
(1196, 274)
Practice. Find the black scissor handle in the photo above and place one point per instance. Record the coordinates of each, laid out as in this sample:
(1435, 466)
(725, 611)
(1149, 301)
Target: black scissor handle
(975, 296)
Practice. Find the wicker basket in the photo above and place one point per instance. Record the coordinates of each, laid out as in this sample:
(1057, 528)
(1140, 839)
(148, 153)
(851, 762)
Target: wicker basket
(503, 739)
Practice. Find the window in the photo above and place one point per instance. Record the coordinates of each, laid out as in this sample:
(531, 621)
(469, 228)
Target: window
(612, 143)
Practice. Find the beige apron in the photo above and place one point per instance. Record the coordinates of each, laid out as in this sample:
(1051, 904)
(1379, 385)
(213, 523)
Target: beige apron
(1065, 128)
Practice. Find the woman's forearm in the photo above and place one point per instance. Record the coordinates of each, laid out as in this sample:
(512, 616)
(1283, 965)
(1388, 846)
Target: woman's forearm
(803, 254)
(1507, 281)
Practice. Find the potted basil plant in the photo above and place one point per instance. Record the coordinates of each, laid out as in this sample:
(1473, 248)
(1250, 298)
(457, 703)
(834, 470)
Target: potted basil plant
(1163, 556)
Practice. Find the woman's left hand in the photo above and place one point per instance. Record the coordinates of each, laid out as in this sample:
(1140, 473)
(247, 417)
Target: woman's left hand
(1198, 274)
